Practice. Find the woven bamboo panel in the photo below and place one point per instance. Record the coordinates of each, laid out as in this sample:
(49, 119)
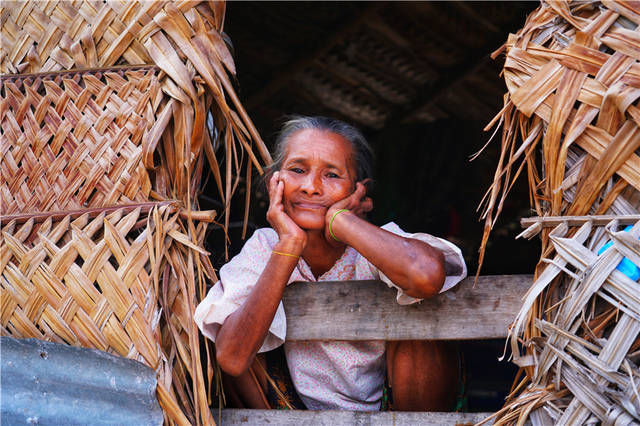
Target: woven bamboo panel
(96, 281)
(75, 140)
(584, 360)
(84, 282)
(571, 118)
(574, 80)
(81, 282)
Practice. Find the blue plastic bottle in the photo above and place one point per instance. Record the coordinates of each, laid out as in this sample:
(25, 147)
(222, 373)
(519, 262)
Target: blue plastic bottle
(625, 266)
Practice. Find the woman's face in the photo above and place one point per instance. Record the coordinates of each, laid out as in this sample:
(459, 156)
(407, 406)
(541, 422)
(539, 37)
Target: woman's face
(317, 171)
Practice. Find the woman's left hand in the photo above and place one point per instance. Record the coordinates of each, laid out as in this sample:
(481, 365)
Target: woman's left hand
(357, 203)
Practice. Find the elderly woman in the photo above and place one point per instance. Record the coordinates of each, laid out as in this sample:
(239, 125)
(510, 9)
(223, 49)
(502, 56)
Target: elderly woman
(318, 201)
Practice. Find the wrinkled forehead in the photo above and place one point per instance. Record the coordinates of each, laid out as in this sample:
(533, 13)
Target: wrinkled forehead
(321, 145)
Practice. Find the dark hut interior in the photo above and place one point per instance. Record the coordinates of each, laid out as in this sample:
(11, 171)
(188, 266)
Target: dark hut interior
(418, 79)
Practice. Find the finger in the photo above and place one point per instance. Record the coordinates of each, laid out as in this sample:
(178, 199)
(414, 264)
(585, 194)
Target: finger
(273, 184)
(279, 193)
(276, 209)
(366, 182)
(354, 199)
(366, 205)
(360, 191)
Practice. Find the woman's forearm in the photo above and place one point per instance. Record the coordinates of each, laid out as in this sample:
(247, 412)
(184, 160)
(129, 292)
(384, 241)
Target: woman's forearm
(244, 331)
(413, 265)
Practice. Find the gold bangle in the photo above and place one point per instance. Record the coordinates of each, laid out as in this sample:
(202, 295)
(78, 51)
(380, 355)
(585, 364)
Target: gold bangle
(285, 254)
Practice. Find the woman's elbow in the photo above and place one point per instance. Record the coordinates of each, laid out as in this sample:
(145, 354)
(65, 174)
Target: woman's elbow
(428, 277)
(230, 357)
(231, 363)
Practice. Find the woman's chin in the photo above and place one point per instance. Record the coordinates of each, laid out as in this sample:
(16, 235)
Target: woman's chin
(313, 228)
(309, 222)
(311, 225)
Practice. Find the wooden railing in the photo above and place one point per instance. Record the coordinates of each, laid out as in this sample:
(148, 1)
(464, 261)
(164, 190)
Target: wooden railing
(367, 310)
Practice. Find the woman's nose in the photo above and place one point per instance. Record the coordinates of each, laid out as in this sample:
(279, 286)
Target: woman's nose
(312, 184)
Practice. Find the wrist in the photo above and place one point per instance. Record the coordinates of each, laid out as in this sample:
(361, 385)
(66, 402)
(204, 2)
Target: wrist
(291, 245)
(336, 221)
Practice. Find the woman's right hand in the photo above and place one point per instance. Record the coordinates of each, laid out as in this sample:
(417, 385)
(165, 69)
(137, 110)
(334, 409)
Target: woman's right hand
(292, 237)
(243, 332)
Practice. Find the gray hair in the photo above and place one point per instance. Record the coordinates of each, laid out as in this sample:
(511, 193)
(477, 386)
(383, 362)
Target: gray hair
(363, 154)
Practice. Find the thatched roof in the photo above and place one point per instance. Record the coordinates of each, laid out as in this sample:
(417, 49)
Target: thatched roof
(372, 63)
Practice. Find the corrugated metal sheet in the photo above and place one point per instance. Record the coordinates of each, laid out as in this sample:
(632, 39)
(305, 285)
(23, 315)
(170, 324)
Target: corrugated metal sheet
(51, 384)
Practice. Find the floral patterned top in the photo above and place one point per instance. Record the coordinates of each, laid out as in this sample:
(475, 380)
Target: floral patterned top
(327, 375)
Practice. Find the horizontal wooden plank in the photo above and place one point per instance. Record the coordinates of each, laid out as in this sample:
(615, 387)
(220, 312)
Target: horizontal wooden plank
(335, 418)
(367, 310)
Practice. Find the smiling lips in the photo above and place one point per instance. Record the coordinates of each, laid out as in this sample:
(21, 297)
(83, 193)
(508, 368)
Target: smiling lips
(309, 206)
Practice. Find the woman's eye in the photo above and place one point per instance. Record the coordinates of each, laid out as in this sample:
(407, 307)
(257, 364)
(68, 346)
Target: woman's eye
(332, 175)
(297, 170)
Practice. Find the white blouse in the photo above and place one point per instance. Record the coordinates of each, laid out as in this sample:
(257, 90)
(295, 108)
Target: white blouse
(327, 375)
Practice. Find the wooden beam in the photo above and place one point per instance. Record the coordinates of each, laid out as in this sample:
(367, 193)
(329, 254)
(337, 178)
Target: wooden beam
(553, 221)
(474, 16)
(367, 310)
(334, 418)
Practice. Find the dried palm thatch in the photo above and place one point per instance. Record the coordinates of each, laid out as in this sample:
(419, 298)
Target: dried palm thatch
(135, 126)
(573, 78)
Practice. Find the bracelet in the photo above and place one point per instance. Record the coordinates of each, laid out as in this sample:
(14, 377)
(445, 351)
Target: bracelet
(285, 254)
(331, 223)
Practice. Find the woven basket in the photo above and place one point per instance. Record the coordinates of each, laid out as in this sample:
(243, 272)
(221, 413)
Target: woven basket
(76, 142)
(115, 279)
(183, 39)
(573, 82)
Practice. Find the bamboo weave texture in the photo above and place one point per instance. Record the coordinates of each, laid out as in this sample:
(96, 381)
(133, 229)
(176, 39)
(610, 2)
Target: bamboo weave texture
(75, 140)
